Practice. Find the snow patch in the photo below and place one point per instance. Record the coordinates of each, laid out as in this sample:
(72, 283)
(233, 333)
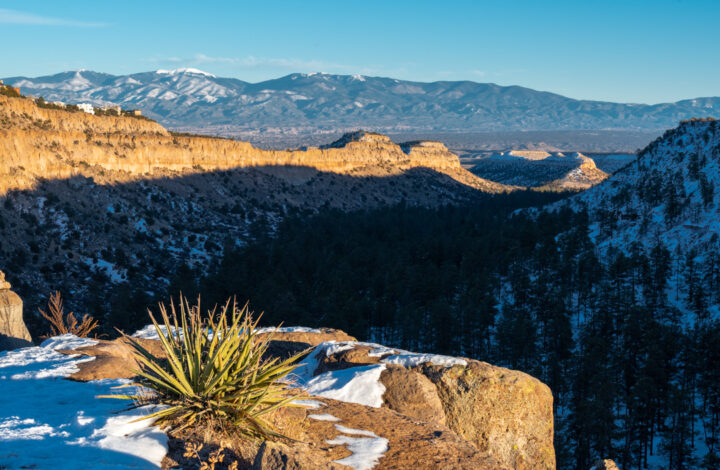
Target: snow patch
(366, 451)
(360, 432)
(149, 332)
(324, 417)
(312, 404)
(125, 434)
(355, 385)
(414, 359)
(287, 329)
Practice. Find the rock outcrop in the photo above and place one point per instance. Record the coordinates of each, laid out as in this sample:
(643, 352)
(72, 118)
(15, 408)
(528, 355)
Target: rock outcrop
(436, 411)
(505, 412)
(46, 143)
(538, 169)
(412, 395)
(113, 359)
(13, 332)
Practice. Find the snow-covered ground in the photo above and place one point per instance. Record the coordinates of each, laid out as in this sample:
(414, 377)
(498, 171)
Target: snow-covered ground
(48, 422)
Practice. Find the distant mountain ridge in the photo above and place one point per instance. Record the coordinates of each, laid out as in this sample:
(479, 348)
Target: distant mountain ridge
(317, 103)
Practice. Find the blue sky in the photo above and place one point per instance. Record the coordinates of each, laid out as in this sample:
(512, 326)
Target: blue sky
(629, 51)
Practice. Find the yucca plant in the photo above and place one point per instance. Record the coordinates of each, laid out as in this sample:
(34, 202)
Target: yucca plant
(214, 372)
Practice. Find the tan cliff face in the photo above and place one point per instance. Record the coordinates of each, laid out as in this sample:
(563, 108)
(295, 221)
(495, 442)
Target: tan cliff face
(54, 144)
(21, 113)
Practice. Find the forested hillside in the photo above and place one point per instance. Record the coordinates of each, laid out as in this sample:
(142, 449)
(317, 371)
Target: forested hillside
(668, 193)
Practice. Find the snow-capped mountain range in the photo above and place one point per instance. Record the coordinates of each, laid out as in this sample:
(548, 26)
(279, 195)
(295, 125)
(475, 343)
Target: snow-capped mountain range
(190, 99)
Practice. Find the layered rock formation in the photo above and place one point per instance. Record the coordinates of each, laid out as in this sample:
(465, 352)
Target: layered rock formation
(435, 411)
(46, 143)
(539, 169)
(13, 333)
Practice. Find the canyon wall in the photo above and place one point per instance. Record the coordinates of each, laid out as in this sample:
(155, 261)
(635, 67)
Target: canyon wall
(55, 144)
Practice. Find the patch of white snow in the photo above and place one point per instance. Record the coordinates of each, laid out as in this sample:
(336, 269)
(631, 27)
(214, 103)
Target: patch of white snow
(366, 451)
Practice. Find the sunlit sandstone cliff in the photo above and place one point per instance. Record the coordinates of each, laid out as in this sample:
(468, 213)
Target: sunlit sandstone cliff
(55, 144)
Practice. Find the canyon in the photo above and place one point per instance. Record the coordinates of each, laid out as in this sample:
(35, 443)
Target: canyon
(89, 202)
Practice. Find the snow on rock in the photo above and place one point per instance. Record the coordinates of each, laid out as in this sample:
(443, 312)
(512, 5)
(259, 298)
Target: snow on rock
(149, 332)
(125, 434)
(287, 329)
(323, 417)
(366, 451)
(391, 356)
(312, 404)
(49, 422)
(43, 354)
(359, 384)
(355, 385)
(413, 359)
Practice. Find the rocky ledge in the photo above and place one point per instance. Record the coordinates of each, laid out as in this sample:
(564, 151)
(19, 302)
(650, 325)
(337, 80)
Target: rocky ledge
(369, 406)
(13, 333)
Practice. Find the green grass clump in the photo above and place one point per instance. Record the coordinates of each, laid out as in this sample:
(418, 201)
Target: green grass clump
(215, 373)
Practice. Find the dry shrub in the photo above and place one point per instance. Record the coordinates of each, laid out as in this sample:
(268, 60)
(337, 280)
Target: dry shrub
(63, 324)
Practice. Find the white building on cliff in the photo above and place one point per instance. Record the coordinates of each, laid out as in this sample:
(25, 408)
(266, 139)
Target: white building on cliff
(86, 107)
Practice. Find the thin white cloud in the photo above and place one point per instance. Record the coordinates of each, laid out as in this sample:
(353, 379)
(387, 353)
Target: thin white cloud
(22, 18)
(252, 62)
(271, 63)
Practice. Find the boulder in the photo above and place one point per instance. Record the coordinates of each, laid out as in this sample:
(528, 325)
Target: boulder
(461, 414)
(113, 359)
(13, 332)
(310, 337)
(411, 394)
(504, 412)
